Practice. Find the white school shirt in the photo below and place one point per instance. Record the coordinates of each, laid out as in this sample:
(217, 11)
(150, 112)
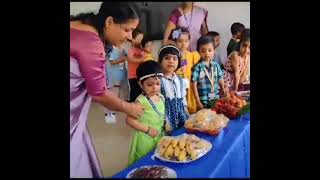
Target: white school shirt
(169, 87)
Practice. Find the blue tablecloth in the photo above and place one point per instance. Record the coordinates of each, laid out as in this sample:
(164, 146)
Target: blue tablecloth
(229, 157)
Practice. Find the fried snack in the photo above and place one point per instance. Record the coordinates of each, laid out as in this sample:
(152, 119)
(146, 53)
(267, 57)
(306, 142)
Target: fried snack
(161, 142)
(193, 138)
(205, 145)
(212, 127)
(202, 115)
(162, 150)
(177, 151)
(188, 147)
(182, 141)
(175, 142)
(194, 154)
(168, 141)
(201, 145)
(182, 156)
(169, 152)
(212, 121)
(189, 123)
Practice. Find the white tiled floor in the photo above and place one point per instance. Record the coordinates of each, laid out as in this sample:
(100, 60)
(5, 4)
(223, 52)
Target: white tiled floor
(111, 141)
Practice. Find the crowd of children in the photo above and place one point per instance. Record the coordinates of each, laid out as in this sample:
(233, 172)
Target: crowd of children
(178, 84)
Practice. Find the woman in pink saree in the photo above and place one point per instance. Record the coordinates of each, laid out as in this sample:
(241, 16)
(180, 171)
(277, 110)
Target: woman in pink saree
(189, 16)
(88, 33)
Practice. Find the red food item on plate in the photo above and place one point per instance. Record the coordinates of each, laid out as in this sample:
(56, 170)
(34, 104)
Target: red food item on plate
(229, 106)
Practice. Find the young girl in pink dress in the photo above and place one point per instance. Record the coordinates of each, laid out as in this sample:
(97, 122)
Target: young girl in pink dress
(237, 65)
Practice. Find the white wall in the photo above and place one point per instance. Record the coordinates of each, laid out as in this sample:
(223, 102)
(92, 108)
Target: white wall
(82, 7)
(220, 18)
(221, 15)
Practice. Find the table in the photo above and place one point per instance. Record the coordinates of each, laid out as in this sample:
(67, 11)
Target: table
(229, 157)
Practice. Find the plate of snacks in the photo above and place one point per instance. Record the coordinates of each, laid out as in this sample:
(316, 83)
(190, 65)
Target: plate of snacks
(230, 106)
(154, 171)
(184, 148)
(206, 121)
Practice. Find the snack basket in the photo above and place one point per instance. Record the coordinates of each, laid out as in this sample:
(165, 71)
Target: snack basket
(209, 127)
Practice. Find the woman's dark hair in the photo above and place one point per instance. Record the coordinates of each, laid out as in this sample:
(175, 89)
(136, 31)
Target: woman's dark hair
(237, 27)
(121, 12)
(204, 40)
(245, 36)
(182, 29)
(145, 40)
(170, 49)
(147, 68)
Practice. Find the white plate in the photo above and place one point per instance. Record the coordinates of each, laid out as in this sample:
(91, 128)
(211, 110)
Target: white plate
(205, 151)
(171, 172)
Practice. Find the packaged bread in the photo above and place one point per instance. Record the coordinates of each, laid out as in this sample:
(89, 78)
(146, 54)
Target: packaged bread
(211, 123)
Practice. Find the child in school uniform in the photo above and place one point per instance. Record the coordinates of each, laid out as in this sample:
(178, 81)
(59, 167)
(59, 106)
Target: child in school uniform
(149, 128)
(207, 75)
(181, 37)
(173, 88)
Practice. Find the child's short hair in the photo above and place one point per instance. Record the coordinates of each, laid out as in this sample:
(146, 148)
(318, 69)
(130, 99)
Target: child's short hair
(169, 49)
(148, 69)
(237, 27)
(145, 40)
(176, 33)
(136, 32)
(213, 34)
(204, 40)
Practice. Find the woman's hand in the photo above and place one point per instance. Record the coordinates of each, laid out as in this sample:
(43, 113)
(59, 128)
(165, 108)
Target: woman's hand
(153, 132)
(133, 109)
